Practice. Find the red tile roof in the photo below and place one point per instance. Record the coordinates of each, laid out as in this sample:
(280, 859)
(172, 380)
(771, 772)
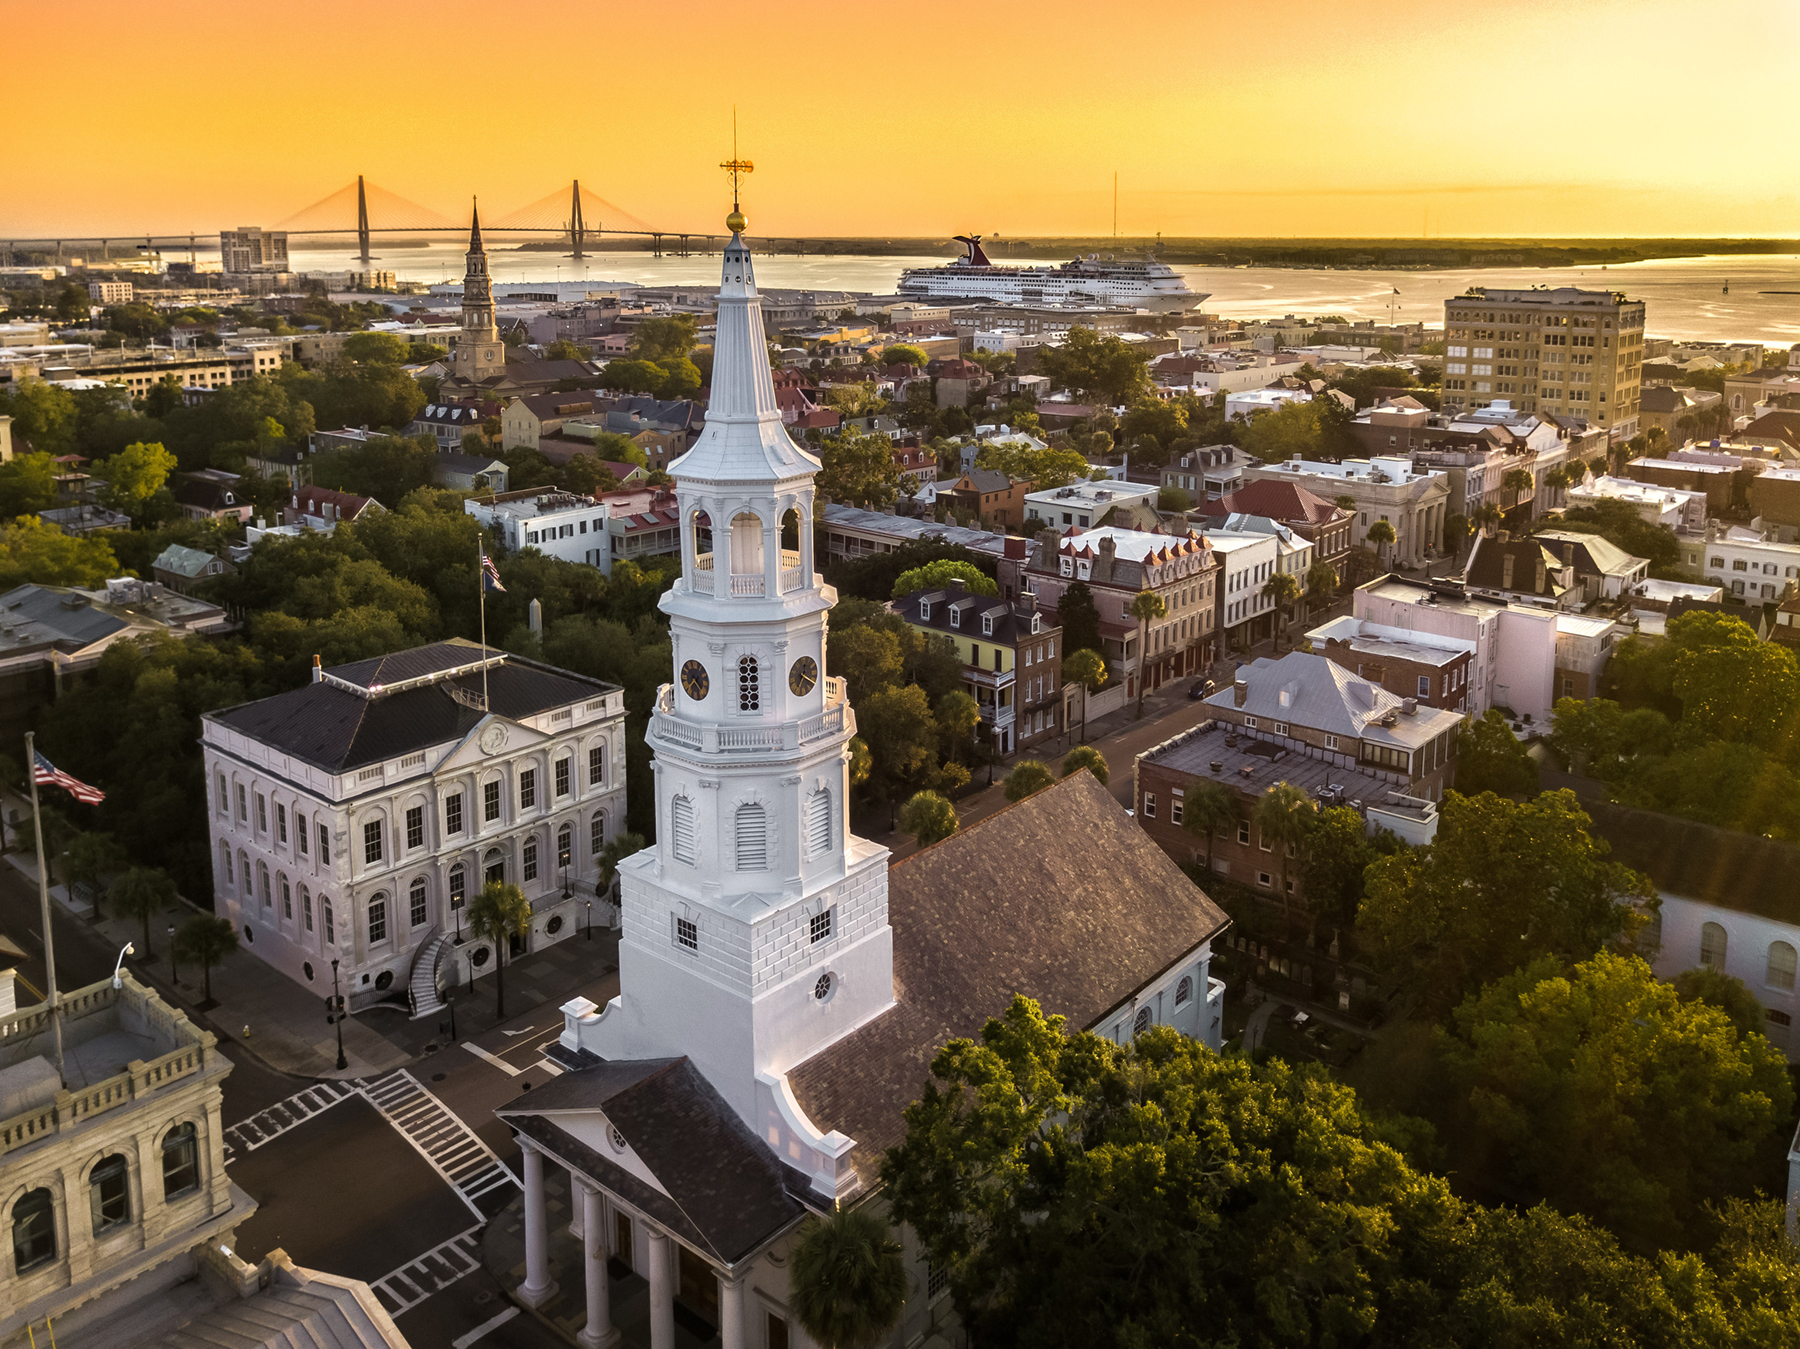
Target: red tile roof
(1284, 501)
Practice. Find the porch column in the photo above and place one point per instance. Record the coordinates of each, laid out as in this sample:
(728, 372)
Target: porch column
(731, 1312)
(537, 1288)
(598, 1333)
(662, 1291)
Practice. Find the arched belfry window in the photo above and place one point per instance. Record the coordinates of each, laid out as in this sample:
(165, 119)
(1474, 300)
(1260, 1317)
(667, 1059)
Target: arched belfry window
(746, 545)
(749, 685)
(752, 837)
(681, 829)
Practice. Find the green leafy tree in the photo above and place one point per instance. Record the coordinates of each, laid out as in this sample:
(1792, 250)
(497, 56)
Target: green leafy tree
(901, 733)
(1321, 584)
(928, 817)
(377, 349)
(1174, 500)
(1382, 535)
(1046, 468)
(1086, 756)
(958, 715)
(1027, 777)
(142, 893)
(1285, 817)
(1489, 758)
(1731, 685)
(497, 914)
(1285, 432)
(1146, 607)
(1607, 1093)
(1619, 524)
(1731, 996)
(27, 485)
(45, 415)
(1503, 884)
(206, 941)
(936, 575)
(1087, 668)
(665, 337)
(866, 657)
(135, 475)
(1337, 853)
(564, 350)
(1080, 619)
(89, 858)
(35, 551)
(1096, 366)
(858, 469)
(1518, 481)
(905, 353)
(849, 1279)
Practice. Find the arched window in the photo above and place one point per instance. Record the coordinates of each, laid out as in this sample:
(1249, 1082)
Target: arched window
(244, 881)
(752, 837)
(459, 885)
(1712, 946)
(597, 834)
(415, 903)
(180, 1161)
(225, 863)
(681, 829)
(565, 846)
(1141, 1022)
(818, 822)
(1781, 966)
(300, 833)
(262, 884)
(109, 1193)
(34, 1230)
(330, 926)
(378, 919)
(306, 907)
(746, 547)
(1184, 990)
(287, 899)
(749, 685)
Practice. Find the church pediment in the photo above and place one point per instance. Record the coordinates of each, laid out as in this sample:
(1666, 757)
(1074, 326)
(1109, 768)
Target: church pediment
(490, 739)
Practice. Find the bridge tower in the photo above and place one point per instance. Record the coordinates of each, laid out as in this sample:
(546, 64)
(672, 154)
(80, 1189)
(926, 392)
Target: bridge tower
(577, 227)
(362, 221)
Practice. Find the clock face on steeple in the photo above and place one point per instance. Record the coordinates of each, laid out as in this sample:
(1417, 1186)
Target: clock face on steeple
(803, 675)
(694, 680)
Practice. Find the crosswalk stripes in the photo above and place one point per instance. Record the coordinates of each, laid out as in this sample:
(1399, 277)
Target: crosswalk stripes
(443, 1140)
(438, 1268)
(267, 1125)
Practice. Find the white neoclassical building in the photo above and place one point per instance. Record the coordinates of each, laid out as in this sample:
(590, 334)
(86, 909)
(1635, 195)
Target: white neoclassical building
(354, 818)
(772, 1022)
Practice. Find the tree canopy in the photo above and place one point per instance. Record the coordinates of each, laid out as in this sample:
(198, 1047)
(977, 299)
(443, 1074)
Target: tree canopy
(937, 574)
(1096, 366)
(858, 468)
(1489, 758)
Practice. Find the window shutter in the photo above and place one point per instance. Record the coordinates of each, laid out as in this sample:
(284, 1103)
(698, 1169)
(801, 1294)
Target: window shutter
(752, 837)
(681, 827)
(818, 823)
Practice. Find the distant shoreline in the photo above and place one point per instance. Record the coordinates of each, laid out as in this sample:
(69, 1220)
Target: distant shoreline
(1312, 254)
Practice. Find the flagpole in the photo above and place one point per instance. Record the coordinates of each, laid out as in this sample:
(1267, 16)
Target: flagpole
(481, 583)
(37, 824)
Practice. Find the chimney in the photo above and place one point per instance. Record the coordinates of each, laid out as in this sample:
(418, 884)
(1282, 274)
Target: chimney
(1506, 571)
(1015, 548)
(1540, 572)
(1502, 535)
(956, 583)
(318, 674)
(1240, 692)
(1568, 555)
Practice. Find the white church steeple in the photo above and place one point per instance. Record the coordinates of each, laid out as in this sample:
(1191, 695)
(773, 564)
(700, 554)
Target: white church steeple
(754, 931)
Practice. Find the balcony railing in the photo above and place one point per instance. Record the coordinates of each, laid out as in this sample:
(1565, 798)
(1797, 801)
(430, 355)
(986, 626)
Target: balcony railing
(791, 575)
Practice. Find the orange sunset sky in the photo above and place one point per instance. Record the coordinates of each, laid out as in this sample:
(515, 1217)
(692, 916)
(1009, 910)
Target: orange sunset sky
(1354, 117)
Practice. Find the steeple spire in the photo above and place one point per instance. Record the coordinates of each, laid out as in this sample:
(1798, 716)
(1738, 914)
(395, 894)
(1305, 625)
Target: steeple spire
(475, 228)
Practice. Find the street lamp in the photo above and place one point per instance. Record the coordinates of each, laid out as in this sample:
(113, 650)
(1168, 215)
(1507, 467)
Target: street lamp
(126, 950)
(588, 921)
(174, 978)
(337, 1015)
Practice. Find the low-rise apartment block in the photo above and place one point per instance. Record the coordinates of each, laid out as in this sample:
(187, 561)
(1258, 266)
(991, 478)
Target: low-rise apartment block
(1675, 508)
(1747, 563)
(1085, 505)
(1012, 660)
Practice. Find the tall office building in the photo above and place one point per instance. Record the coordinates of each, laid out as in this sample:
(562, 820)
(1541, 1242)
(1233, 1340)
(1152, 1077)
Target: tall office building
(249, 248)
(1560, 352)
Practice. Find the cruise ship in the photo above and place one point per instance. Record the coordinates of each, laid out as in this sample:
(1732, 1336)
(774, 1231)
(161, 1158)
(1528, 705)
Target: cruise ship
(1085, 281)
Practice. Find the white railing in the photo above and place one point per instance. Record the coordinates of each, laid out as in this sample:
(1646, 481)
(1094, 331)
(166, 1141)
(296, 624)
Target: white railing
(674, 729)
(751, 738)
(742, 586)
(792, 578)
(829, 722)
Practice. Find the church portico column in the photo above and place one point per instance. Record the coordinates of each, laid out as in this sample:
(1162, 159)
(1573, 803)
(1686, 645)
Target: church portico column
(662, 1290)
(731, 1312)
(599, 1332)
(537, 1288)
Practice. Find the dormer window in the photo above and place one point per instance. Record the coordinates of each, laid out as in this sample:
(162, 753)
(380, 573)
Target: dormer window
(987, 625)
(1066, 566)
(1035, 628)
(955, 617)
(925, 611)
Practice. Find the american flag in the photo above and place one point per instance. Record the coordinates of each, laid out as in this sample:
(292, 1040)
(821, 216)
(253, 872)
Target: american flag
(490, 574)
(47, 774)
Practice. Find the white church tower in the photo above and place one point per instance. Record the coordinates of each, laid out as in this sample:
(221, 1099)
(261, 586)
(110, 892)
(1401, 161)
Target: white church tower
(755, 931)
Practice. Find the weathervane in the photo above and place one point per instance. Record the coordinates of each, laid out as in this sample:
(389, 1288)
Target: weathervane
(737, 168)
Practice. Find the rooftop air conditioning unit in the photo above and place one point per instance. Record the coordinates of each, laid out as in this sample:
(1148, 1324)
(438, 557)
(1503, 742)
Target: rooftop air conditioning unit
(1391, 719)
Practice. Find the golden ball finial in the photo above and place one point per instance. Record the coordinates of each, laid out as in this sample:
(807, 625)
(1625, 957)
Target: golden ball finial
(736, 223)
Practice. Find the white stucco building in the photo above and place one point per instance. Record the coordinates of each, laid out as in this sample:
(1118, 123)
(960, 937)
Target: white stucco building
(1744, 562)
(1382, 488)
(1083, 505)
(772, 1022)
(355, 817)
(564, 525)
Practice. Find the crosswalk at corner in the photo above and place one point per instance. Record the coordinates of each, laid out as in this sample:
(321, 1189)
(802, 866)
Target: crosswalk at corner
(437, 1269)
(267, 1125)
(450, 1146)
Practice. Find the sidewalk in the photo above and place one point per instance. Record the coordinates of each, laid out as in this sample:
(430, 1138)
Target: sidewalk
(283, 1024)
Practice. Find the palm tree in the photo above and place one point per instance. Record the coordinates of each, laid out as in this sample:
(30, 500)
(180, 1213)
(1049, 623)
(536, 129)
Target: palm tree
(1518, 481)
(1284, 817)
(1346, 503)
(1087, 668)
(206, 941)
(1284, 590)
(1381, 534)
(1321, 583)
(142, 892)
(1208, 807)
(1147, 607)
(615, 852)
(1086, 756)
(499, 913)
(957, 716)
(1557, 479)
(1487, 515)
(849, 1279)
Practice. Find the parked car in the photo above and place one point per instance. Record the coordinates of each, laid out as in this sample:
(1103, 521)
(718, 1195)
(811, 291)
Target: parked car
(1200, 688)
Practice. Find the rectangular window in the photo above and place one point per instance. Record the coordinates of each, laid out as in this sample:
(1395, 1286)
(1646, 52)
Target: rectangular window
(1175, 806)
(597, 834)
(530, 855)
(527, 788)
(1149, 805)
(819, 925)
(1424, 686)
(562, 776)
(458, 887)
(224, 798)
(372, 841)
(1244, 832)
(687, 935)
(300, 832)
(418, 904)
(287, 900)
(324, 846)
(490, 801)
(280, 823)
(243, 805)
(377, 921)
(453, 813)
(1331, 742)
(262, 813)
(415, 827)
(596, 765)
